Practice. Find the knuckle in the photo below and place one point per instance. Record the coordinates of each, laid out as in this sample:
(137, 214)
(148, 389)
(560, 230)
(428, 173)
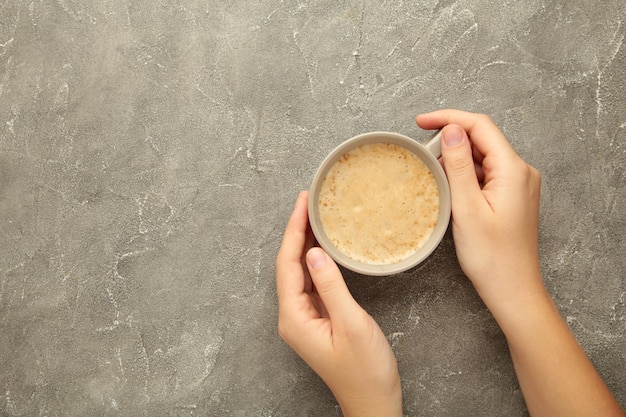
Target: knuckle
(536, 180)
(284, 330)
(527, 177)
(531, 174)
(484, 118)
(536, 174)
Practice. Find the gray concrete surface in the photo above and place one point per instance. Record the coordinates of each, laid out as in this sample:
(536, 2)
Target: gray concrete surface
(151, 152)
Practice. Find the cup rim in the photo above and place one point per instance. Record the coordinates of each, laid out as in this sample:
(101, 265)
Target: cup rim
(443, 218)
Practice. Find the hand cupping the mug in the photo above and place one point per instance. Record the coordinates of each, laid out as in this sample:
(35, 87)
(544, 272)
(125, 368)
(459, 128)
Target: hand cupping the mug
(495, 205)
(321, 321)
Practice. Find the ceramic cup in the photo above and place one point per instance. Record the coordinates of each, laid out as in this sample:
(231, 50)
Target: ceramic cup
(428, 153)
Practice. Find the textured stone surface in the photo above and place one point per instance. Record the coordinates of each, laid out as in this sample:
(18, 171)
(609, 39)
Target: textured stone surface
(151, 151)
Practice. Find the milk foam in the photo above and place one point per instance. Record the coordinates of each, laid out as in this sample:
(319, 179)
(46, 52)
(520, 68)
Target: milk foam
(379, 203)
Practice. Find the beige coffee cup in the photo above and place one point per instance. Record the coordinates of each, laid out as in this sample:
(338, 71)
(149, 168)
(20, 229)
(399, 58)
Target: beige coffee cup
(428, 154)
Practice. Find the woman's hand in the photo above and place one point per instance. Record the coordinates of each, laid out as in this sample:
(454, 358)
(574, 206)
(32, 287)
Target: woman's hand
(495, 206)
(321, 321)
(495, 222)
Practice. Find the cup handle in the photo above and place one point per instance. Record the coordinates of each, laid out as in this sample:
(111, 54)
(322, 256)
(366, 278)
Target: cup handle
(434, 144)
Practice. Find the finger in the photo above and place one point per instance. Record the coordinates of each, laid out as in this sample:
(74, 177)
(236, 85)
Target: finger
(480, 174)
(478, 157)
(290, 279)
(478, 163)
(308, 244)
(330, 286)
(319, 305)
(484, 134)
(460, 170)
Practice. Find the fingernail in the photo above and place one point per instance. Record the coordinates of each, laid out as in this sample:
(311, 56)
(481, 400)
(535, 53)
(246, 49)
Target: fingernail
(453, 136)
(316, 258)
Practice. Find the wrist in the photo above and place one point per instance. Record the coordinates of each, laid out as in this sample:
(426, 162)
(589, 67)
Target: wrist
(509, 290)
(368, 409)
(522, 313)
(388, 405)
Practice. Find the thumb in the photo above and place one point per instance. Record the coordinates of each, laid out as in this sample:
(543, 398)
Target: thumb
(330, 285)
(458, 163)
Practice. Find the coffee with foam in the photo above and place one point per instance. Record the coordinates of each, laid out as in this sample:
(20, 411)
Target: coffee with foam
(379, 203)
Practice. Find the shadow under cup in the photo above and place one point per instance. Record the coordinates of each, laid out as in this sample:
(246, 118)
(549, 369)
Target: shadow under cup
(428, 154)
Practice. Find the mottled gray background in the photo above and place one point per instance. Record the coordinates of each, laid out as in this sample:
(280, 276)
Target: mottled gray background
(151, 152)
